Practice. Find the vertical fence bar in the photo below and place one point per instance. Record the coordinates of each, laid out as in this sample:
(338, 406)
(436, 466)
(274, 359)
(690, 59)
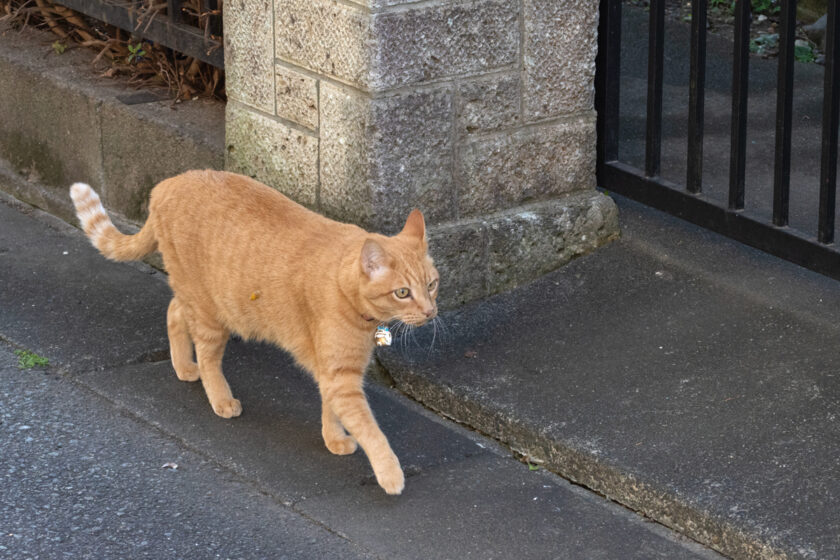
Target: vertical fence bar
(740, 83)
(607, 80)
(830, 121)
(173, 10)
(784, 113)
(656, 50)
(214, 20)
(696, 97)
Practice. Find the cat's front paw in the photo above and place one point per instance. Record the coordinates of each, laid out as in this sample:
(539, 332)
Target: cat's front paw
(391, 478)
(341, 446)
(227, 408)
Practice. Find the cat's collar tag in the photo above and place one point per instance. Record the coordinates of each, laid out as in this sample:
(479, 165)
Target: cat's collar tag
(382, 336)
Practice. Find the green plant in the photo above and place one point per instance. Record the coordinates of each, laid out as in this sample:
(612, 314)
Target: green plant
(764, 43)
(766, 7)
(136, 52)
(29, 360)
(59, 47)
(803, 53)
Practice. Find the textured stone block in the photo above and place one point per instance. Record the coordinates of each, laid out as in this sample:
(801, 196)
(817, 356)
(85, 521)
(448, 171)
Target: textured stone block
(411, 143)
(480, 257)
(434, 42)
(460, 254)
(560, 45)
(325, 37)
(272, 153)
(346, 193)
(382, 50)
(381, 157)
(488, 104)
(533, 240)
(297, 96)
(525, 166)
(249, 48)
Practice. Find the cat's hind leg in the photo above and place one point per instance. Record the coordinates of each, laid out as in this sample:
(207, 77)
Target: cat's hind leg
(335, 438)
(210, 340)
(180, 343)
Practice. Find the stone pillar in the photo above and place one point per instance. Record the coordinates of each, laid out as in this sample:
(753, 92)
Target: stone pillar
(480, 113)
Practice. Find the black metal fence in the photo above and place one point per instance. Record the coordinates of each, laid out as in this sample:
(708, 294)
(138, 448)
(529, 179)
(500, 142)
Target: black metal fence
(729, 217)
(202, 41)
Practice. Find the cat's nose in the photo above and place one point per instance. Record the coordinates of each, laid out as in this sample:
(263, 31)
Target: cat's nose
(429, 312)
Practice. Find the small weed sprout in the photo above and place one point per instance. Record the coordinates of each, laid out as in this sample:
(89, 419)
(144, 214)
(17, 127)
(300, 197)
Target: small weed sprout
(136, 52)
(29, 360)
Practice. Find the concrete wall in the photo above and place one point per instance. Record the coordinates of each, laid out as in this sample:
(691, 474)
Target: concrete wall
(60, 123)
(478, 112)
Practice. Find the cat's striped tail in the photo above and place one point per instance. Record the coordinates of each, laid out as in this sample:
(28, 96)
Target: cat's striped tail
(101, 231)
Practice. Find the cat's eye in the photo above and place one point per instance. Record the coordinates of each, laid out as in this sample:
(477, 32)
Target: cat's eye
(433, 285)
(402, 293)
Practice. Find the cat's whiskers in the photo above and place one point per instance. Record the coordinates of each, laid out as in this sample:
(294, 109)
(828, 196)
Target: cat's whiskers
(434, 335)
(409, 334)
(444, 330)
(406, 331)
(409, 328)
(397, 326)
(444, 334)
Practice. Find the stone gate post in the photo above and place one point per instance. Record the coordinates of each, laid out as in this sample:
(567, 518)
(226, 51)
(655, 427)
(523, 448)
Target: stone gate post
(478, 112)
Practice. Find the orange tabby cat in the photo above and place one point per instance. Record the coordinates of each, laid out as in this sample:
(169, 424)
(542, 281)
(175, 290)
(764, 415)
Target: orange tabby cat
(243, 258)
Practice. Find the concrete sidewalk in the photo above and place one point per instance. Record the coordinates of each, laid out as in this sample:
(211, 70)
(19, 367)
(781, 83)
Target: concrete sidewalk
(684, 375)
(84, 442)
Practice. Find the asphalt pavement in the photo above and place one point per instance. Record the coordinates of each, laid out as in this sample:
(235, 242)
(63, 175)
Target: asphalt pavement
(90, 443)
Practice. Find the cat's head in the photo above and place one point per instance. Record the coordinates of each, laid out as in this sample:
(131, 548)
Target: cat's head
(399, 279)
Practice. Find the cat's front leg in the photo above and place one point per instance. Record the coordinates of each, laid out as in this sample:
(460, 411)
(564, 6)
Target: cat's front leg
(335, 438)
(342, 393)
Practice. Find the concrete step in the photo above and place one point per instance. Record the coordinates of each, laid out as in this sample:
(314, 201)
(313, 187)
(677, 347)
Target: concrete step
(686, 376)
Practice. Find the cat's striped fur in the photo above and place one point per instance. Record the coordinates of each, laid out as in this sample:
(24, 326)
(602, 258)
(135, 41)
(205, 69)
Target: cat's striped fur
(243, 258)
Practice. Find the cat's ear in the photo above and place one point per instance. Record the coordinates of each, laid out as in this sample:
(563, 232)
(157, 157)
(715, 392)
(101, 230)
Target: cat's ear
(374, 259)
(415, 225)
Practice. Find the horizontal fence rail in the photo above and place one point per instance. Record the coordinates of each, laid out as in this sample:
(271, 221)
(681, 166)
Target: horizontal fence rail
(169, 30)
(729, 217)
